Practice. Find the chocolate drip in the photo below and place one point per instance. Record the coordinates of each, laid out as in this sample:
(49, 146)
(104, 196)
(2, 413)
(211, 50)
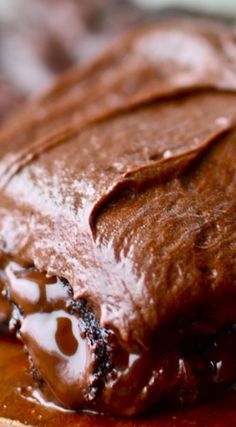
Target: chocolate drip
(58, 331)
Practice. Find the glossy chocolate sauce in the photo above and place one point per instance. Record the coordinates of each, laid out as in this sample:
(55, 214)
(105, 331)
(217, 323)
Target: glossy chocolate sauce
(84, 366)
(117, 195)
(21, 400)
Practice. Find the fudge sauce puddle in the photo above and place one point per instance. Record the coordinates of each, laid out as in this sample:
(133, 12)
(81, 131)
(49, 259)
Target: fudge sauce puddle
(69, 360)
(21, 400)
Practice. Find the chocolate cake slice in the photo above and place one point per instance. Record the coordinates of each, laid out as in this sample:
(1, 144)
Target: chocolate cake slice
(118, 222)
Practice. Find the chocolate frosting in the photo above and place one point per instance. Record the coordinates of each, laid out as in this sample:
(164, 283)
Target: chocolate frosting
(121, 179)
